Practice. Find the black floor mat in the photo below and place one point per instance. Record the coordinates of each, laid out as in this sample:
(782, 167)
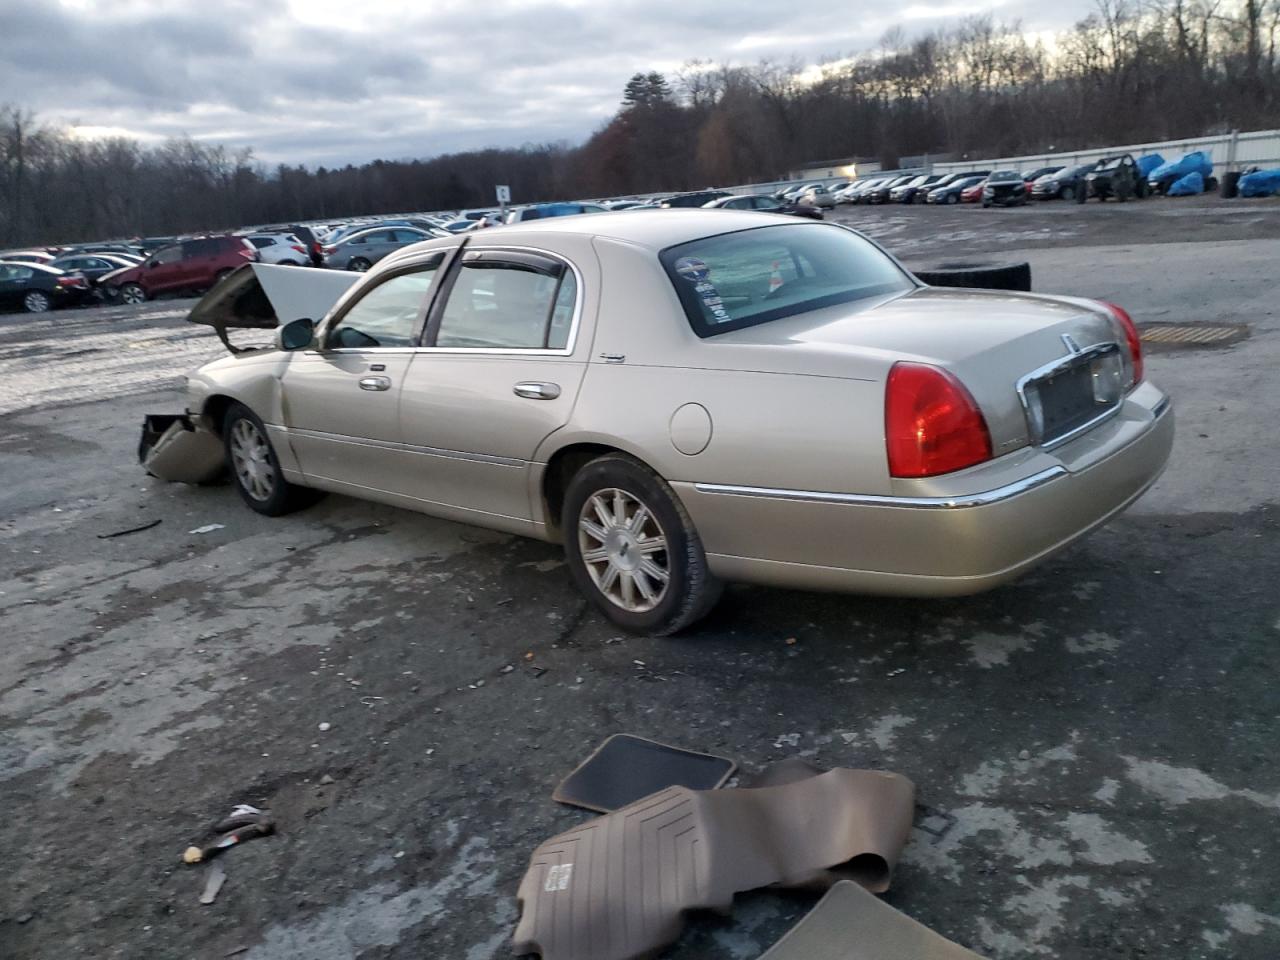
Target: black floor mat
(624, 769)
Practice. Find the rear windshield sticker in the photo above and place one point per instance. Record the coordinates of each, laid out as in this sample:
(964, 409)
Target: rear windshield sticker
(692, 269)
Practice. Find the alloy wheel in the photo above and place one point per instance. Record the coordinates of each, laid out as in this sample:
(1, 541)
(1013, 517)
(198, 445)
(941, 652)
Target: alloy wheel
(251, 460)
(624, 549)
(133, 294)
(36, 302)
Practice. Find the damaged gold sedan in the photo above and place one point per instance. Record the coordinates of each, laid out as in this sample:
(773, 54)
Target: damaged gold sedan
(683, 398)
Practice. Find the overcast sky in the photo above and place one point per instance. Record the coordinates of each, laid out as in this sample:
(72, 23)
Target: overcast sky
(337, 81)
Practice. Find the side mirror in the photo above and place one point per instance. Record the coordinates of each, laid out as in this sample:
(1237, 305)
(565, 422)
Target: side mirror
(296, 335)
(152, 264)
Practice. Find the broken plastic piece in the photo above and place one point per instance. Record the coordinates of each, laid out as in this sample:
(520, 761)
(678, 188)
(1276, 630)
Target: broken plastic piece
(851, 924)
(244, 823)
(625, 769)
(125, 533)
(180, 449)
(618, 887)
(215, 877)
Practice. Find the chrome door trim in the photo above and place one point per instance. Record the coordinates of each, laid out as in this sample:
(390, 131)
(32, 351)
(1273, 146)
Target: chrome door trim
(407, 448)
(960, 501)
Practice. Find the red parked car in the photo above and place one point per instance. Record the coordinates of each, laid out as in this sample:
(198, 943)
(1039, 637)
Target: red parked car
(972, 194)
(195, 264)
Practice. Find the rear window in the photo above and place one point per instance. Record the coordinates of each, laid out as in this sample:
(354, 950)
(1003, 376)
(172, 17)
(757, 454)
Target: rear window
(749, 277)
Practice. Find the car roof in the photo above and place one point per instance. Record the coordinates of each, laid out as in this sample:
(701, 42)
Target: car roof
(655, 229)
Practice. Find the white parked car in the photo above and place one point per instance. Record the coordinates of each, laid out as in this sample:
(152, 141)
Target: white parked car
(280, 248)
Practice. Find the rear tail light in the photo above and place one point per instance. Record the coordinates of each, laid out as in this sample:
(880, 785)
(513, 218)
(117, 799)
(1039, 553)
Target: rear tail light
(300, 248)
(328, 249)
(1129, 330)
(931, 423)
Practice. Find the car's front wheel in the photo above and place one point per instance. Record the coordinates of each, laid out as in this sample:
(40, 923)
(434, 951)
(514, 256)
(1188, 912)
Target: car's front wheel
(132, 293)
(359, 264)
(37, 301)
(255, 468)
(633, 550)
(1068, 193)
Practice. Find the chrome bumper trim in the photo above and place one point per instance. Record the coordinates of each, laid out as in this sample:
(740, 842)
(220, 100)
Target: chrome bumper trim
(874, 500)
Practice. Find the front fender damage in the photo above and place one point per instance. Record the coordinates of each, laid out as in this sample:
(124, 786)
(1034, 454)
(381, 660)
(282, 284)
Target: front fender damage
(181, 449)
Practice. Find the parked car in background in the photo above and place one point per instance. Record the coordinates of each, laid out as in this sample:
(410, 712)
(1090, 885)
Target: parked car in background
(194, 264)
(37, 288)
(849, 402)
(623, 204)
(950, 192)
(695, 199)
(93, 267)
(360, 251)
(1164, 175)
(460, 226)
(1004, 188)
(906, 192)
(793, 190)
(1063, 185)
(882, 192)
(149, 245)
(849, 193)
(1031, 176)
(765, 204)
(1115, 176)
(539, 211)
(973, 194)
(284, 249)
(817, 196)
(26, 256)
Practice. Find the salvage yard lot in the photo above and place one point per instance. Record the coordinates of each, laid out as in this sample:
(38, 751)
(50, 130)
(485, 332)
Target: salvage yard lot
(1093, 746)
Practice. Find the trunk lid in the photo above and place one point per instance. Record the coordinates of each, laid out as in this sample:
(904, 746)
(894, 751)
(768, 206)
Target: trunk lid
(992, 341)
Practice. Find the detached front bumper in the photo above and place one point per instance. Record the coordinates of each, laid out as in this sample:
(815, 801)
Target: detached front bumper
(941, 542)
(179, 448)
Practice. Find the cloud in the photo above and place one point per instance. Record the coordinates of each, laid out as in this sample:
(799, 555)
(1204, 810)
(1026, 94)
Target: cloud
(329, 81)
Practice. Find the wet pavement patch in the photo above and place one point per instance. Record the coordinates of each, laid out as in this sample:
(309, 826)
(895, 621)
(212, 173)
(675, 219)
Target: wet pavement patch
(1171, 336)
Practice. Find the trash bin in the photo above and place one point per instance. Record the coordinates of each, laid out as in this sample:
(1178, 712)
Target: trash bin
(1230, 184)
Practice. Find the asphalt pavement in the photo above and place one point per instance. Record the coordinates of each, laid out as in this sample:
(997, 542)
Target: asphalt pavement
(1093, 746)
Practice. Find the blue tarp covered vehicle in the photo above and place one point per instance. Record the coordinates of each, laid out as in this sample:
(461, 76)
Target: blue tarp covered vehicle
(1189, 186)
(1262, 183)
(1148, 162)
(1163, 176)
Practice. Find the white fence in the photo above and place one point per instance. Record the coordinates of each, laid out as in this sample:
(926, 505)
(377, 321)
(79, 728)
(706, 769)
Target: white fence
(1229, 151)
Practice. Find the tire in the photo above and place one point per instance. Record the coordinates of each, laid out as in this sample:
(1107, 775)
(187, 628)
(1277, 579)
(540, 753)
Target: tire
(986, 204)
(1067, 193)
(132, 293)
(255, 469)
(358, 264)
(608, 494)
(983, 276)
(37, 301)
(953, 198)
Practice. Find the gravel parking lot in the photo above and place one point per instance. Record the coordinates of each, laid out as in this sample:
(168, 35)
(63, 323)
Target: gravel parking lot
(1093, 746)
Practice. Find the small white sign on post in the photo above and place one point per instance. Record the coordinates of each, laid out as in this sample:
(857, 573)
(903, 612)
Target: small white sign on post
(504, 193)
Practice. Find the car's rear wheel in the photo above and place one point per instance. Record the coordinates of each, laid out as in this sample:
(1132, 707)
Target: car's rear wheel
(953, 198)
(1068, 193)
(255, 469)
(633, 550)
(37, 301)
(132, 293)
(359, 264)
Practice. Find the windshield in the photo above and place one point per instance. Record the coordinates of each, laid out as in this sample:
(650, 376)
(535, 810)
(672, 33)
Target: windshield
(1004, 175)
(741, 279)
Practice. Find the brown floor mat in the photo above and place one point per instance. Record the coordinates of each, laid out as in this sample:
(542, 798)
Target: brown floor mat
(618, 886)
(851, 924)
(625, 769)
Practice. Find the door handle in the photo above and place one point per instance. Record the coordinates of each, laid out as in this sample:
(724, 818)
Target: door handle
(537, 390)
(375, 383)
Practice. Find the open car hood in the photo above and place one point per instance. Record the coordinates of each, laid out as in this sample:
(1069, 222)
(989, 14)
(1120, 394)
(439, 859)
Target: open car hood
(262, 296)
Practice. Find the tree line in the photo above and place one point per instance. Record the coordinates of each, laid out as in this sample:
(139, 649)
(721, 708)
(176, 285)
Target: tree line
(1126, 73)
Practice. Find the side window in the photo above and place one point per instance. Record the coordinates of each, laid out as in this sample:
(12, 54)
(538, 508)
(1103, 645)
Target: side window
(261, 242)
(509, 304)
(407, 236)
(387, 315)
(168, 254)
